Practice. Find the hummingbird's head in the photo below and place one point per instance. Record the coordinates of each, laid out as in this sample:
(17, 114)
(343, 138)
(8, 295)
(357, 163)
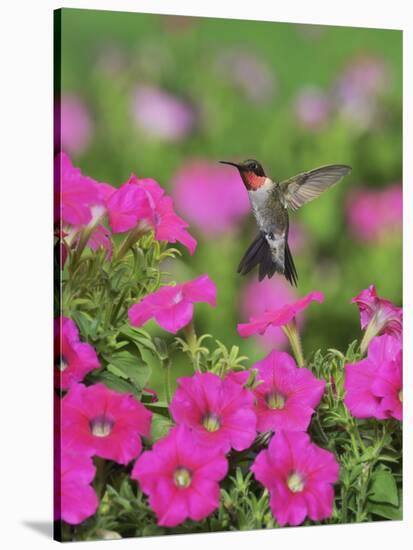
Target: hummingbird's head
(251, 172)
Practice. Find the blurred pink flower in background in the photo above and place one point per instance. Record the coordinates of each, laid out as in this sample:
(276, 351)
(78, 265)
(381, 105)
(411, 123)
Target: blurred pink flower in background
(375, 214)
(299, 476)
(248, 73)
(76, 124)
(211, 197)
(272, 294)
(160, 114)
(358, 89)
(312, 107)
(180, 477)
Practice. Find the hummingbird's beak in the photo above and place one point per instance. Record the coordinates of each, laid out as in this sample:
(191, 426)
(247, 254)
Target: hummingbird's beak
(230, 163)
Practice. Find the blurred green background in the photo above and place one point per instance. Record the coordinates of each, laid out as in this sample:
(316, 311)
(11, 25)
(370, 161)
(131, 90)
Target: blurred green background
(167, 97)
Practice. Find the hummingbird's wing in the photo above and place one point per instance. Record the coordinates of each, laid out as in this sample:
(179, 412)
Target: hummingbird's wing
(307, 186)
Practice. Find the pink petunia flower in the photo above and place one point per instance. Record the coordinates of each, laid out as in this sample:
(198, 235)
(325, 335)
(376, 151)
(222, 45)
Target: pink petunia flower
(220, 412)
(75, 194)
(162, 115)
(269, 294)
(75, 499)
(279, 317)
(210, 197)
(374, 385)
(287, 396)
(374, 215)
(75, 124)
(172, 306)
(73, 358)
(377, 316)
(299, 476)
(99, 421)
(180, 477)
(142, 204)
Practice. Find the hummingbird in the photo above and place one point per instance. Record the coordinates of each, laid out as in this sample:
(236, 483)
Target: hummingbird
(270, 202)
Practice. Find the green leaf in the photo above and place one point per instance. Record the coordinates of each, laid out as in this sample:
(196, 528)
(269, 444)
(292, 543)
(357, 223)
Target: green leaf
(384, 488)
(126, 365)
(385, 510)
(160, 426)
(116, 383)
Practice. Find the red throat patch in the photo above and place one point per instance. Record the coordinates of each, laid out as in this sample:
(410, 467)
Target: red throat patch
(251, 181)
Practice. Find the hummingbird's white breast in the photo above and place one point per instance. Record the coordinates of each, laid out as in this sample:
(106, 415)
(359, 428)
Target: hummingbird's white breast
(259, 200)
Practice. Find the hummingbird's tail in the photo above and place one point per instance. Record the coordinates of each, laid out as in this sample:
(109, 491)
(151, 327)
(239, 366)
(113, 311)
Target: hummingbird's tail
(259, 253)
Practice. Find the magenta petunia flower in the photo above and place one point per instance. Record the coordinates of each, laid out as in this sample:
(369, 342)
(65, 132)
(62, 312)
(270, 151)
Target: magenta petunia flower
(75, 124)
(269, 294)
(219, 411)
(312, 108)
(279, 317)
(172, 306)
(142, 203)
(377, 316)
(374, 215)
(99, 421)
(127, 206)
(100, 238)
(287, 396)
(374, 385)
(73, 358)
(210, 197)
(75, 499)
(299, 476)
(160, 114)
(75, 194)
(180, 477)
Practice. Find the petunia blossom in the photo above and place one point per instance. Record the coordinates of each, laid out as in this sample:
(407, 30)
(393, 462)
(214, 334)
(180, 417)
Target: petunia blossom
(220, 412)
(75, 499)
(172, 306)
(75, 194)
(377, 316)
(269, 294)
(287, 395)
(73, 358)
(75, 124)
(141, 204)
(99, 421)
(210, 197)
(279, 317)
(312, 108)
(299, 476)
(180, 477)
(373, 385)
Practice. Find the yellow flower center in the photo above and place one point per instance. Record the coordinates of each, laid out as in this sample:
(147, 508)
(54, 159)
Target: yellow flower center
(182, 477)
(295, 483)
(401, 396)
(211, 422)
(101, 426)
(275, 400)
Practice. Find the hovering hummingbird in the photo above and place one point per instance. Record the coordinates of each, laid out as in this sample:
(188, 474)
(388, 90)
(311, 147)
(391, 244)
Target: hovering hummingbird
(270, 201)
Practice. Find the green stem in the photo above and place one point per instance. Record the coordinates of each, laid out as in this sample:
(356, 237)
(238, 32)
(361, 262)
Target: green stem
(291, 331)
(132, 238)
(192, 341)
(166, 365)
